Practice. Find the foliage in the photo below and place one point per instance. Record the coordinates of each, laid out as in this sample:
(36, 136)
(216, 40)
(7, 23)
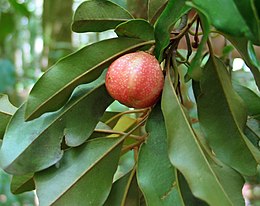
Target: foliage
(67, 143)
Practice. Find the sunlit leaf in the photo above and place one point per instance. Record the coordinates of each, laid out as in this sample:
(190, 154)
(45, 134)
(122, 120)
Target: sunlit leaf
(40, 139)
(98, 15)
(6, 112)
(170, 15)
(22, 183)
(207, 180)
(155, 174)
(88, 169)
(246, 24)
(222, 116)
(54, 88)
(132, 29)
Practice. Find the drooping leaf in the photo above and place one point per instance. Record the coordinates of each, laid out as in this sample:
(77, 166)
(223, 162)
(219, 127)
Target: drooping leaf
(98, 15)
(155, 173)
(251, 100)
(124, 191)
(248, 55)
(170, 15)
(246, 23)
(207, 180)
(155, 7)
(132, 29)
(83, 176)
(41, 138)
(222, 116)
(53, 89)
(252, 132)
(6, 112)
(22, 183)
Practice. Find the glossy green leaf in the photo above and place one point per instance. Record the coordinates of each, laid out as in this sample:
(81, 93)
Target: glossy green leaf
(124, 191)
(251, 100)
(170, 15)
(155, 173)
(248, 55)
(211, 182)
(6, 112)
(132, 29)
(41, 138)
(22, 183)
(82, 177)
(246, 23)
(54, 88)
(98, 15)
(155, 7)
(222, 116)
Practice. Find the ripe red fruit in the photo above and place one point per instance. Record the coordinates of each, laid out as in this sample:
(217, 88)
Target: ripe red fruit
(135, 79)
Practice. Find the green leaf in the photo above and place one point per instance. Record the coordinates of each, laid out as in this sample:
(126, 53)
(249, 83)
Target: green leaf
(170, 15)
(22, 183)
(252, 132)
(6, 112)
(155, 174)
(221, 14)
(83, 176)
(41, 138)
(54, 88)
(155, 7)
(211, 182)
(98, 15)
(222, 116)
(186, 193)
(124, 191)
(251, 100)
(247, 52)
(132, 29)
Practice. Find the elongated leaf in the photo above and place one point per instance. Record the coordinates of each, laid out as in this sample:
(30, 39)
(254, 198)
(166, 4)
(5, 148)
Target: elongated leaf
(6, 112)
(248, 56)
(155, 173)
(83, 176)
(124, 191)
(155, 7)
(132, 29)
(98, 15)
(206, 179)
(222, 115)
(251, 100)
(53, 89)
(246, 23)
(170, 15)
(41, 138)
(22, 183)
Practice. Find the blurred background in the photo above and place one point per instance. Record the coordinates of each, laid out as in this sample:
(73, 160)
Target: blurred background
(34, 34)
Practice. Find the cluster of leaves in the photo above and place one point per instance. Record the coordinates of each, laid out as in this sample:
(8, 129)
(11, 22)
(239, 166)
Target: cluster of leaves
(65, 143)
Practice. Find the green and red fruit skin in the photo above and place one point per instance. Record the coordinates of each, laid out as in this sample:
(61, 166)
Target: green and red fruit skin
(135, 80)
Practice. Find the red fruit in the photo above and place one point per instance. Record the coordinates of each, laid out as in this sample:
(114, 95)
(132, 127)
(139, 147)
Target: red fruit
(135, 79)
